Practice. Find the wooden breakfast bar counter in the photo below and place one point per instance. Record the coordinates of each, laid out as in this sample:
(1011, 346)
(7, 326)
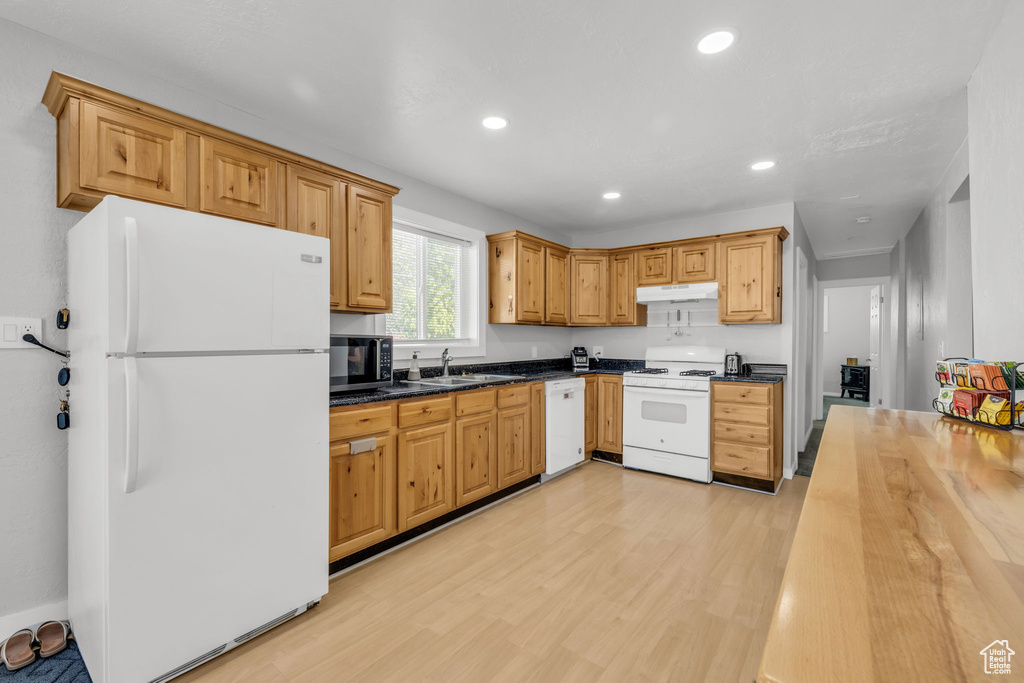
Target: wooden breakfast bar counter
(908, 559)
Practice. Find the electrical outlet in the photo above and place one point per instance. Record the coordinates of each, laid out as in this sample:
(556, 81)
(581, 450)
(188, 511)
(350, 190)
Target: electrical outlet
(15, 328)
(598, 351)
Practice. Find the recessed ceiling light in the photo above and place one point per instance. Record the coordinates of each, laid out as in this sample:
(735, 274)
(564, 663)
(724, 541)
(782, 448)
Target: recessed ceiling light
(761, 165)
(611, 195)
(716, 41)
(495, 122)
(862, 219)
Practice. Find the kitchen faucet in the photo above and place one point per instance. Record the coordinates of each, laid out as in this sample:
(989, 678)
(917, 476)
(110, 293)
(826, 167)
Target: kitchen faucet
(445, 359)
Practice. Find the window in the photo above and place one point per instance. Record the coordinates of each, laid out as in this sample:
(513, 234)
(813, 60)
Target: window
(435, 291)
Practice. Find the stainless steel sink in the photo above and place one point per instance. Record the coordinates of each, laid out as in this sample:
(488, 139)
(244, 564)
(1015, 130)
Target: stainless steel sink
(462, 380)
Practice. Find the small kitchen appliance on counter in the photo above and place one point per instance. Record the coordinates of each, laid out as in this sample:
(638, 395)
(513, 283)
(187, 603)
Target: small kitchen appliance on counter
(733, 363)
(580, 359)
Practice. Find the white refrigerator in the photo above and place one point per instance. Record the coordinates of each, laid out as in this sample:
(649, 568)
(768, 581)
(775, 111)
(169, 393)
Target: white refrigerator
(198, 447)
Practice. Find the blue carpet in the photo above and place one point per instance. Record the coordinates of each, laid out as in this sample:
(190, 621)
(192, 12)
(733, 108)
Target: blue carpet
(63, 667)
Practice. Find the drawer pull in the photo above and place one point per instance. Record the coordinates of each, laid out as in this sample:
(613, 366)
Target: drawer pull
(362, 445)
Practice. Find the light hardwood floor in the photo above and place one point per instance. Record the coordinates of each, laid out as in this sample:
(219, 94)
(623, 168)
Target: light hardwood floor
(604, 574)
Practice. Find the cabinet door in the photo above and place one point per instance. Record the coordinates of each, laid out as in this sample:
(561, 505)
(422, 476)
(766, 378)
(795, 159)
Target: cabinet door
(750, 284)
(513, 445)
(589, 278)
(476, 458)
(609, 408)
(623, 290)
(368, 249)
(556, 286)
(538, 459)
(530, 282)
(654, 267)
(131, 156)
(425, 468)
(362, 497)
(237, 182)
(694, 263)
(316, 206)
(590, 414)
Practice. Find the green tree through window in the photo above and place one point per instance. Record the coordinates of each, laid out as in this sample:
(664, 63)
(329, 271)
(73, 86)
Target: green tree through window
(427, 287)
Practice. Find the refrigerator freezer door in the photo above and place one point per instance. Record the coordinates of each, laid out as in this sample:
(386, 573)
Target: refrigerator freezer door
(226, 528)
(181, 281)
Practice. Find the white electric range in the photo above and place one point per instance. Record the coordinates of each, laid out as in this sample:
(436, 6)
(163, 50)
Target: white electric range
(666, 411)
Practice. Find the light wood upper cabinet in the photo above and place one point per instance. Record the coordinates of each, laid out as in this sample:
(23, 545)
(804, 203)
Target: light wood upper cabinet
(624, 310)
(237, 182)
(316, 206)
(654, 267)
(588, 273)
(514, 463)
(368, 250)
(530, 283)
(556, 286)
(362, 494)
(538, 459)
(750, 279)
(590, 413)
(609, 410)
(694, 263)
(108, 143)
(128, 155)
(425, 475)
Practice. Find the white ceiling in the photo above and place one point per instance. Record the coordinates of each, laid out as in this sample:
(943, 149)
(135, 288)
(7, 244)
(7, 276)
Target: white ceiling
(864, 97)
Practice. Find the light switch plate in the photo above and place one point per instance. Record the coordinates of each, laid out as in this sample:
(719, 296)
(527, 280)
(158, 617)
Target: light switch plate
(13, 328)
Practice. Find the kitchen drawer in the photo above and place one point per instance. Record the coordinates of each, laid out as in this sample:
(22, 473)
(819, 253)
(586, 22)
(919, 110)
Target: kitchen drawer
(361, 420)
(742, 433)
(742, 393)
(470, 402)
(740, 412)
(749, 461)
(426, 411)
(513, 396)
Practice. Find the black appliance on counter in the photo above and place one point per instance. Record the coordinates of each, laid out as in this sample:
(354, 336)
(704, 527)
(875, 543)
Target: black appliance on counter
(733, 363)
(580, 359)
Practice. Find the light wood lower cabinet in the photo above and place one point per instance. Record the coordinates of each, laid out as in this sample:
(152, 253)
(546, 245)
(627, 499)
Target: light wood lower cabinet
(538, 429)
(514, 444)
(476, 457)
(430, 456)
(746, 433)
(362, 492)
(426, 487)
(609, 409)
(590, 414)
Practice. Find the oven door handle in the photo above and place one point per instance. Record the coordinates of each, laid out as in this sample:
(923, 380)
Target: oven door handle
(665, 392)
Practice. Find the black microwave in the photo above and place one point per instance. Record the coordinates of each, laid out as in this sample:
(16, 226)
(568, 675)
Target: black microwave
(360, 363)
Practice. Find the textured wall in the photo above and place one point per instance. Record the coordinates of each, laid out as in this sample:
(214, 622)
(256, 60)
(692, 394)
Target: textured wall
(33, 453)
(935, 265)
(996, 133)
(849, 331)
(852, 267)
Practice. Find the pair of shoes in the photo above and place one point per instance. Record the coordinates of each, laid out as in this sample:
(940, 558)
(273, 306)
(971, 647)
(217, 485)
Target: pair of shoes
(49, 638)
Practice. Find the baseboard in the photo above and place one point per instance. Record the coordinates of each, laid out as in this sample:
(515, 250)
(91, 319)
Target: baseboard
(831, 393)
(807, 437)
(31, 617)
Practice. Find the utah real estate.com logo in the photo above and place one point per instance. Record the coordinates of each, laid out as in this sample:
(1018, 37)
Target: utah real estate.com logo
(997, 657)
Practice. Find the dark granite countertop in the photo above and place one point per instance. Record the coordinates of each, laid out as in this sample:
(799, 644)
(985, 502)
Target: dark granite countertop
(529, 371)
(762, 379)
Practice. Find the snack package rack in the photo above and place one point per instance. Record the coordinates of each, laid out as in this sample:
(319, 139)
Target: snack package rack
(980, 391)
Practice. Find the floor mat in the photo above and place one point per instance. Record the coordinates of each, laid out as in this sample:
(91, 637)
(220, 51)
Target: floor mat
(805, 460)
(63, 667)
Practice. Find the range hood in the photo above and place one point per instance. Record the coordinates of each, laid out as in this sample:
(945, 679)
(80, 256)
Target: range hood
(702, 291)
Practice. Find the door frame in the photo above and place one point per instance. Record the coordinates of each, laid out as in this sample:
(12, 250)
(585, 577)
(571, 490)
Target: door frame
(888, 363)
(800, 368)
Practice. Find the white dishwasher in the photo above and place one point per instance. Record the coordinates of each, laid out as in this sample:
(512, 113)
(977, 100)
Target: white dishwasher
(563, 412)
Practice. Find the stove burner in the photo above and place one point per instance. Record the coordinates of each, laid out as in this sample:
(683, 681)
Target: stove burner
(698, 373)
(652, 371)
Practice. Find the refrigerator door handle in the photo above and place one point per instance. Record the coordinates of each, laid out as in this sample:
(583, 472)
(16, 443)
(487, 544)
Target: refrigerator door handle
(131, 270)
(131, 430)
